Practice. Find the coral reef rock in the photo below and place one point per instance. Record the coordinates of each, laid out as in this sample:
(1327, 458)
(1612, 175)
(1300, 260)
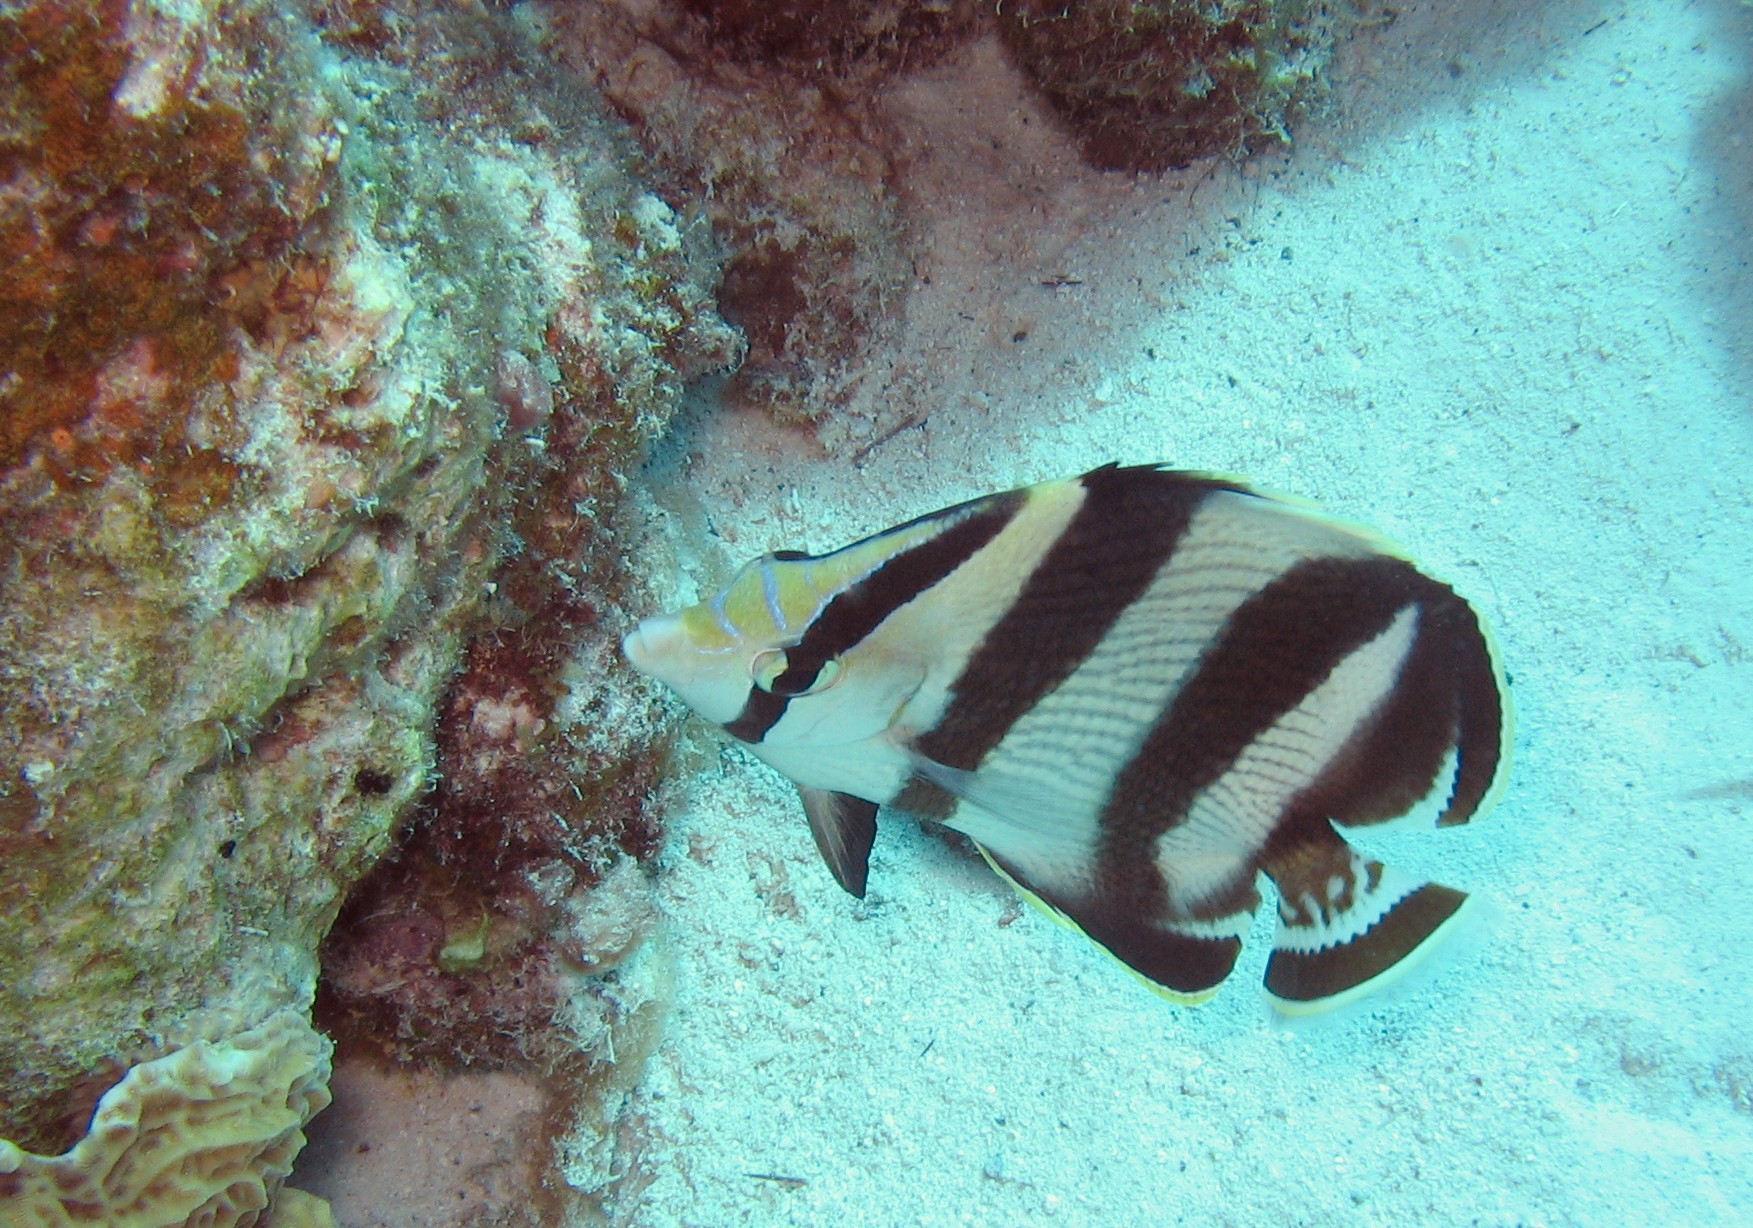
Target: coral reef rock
(326, 338)
(765, 115)
(203, 1136)
(852, 43)
(777, 120)
(1153, 85)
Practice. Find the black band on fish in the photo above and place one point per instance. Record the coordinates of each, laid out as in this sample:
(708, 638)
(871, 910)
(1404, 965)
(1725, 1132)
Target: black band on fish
(795, 681)
(1277, 646)
(855, 613)
(759, 714)
(852, 615)
(1126, 528)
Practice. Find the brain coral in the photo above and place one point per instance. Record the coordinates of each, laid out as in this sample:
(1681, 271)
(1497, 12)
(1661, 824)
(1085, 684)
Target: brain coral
(203, 1137)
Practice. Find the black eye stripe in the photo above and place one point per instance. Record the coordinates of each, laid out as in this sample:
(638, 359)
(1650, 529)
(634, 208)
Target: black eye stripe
(856, 612)
(761, 711)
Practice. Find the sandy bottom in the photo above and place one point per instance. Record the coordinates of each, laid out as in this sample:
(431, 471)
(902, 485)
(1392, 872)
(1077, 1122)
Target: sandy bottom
(404, 1149)
(1492, 311)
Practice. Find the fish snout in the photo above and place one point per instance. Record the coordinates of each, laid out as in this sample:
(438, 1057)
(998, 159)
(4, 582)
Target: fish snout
(711, 680)
(651, 642)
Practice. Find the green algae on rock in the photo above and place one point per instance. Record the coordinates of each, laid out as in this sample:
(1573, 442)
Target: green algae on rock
(302, 334)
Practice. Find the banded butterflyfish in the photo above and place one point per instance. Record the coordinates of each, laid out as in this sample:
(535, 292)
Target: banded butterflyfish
(1137, 691)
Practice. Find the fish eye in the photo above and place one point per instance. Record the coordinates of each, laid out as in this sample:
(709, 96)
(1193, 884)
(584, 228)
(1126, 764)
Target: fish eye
(825, 677)
(767, 666)
(772, 671)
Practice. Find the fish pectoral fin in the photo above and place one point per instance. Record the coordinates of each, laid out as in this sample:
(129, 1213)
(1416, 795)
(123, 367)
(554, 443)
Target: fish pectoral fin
(1036, 808)
(1182, 960)
(844, 828)
(1348, 926)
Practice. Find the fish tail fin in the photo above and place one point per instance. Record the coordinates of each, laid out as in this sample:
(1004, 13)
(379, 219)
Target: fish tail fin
(1347, 925)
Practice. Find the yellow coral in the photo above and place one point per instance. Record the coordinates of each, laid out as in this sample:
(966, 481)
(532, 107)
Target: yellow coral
(202, 1136)
(297, 1209)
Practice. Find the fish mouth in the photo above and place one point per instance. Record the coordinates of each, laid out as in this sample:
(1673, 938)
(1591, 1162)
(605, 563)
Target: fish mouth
(636, 650)
(654, 641)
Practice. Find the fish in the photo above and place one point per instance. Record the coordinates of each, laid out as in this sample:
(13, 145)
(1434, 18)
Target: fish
(1143, 694)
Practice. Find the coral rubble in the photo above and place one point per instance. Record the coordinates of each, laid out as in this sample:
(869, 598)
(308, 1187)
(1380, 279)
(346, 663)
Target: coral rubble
(773, 118)
(861, 43)
(763, 114)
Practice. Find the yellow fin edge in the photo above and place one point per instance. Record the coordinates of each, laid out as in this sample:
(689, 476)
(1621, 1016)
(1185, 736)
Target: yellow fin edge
(1061, 919)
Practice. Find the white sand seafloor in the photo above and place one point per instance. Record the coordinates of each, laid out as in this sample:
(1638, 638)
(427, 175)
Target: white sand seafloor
(1490, 305)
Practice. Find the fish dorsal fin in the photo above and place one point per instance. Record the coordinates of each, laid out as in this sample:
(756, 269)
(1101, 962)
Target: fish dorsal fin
(844, 827)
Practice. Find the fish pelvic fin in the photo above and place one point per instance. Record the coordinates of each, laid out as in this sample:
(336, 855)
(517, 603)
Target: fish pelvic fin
(1349, 926)
(844, 828)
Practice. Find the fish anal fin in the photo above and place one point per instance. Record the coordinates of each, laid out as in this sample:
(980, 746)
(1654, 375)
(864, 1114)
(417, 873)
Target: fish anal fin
(844, 828)
(1348, 926)
(1183, 961)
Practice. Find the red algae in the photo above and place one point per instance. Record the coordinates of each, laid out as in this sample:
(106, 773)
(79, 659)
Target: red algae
(144, 189)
